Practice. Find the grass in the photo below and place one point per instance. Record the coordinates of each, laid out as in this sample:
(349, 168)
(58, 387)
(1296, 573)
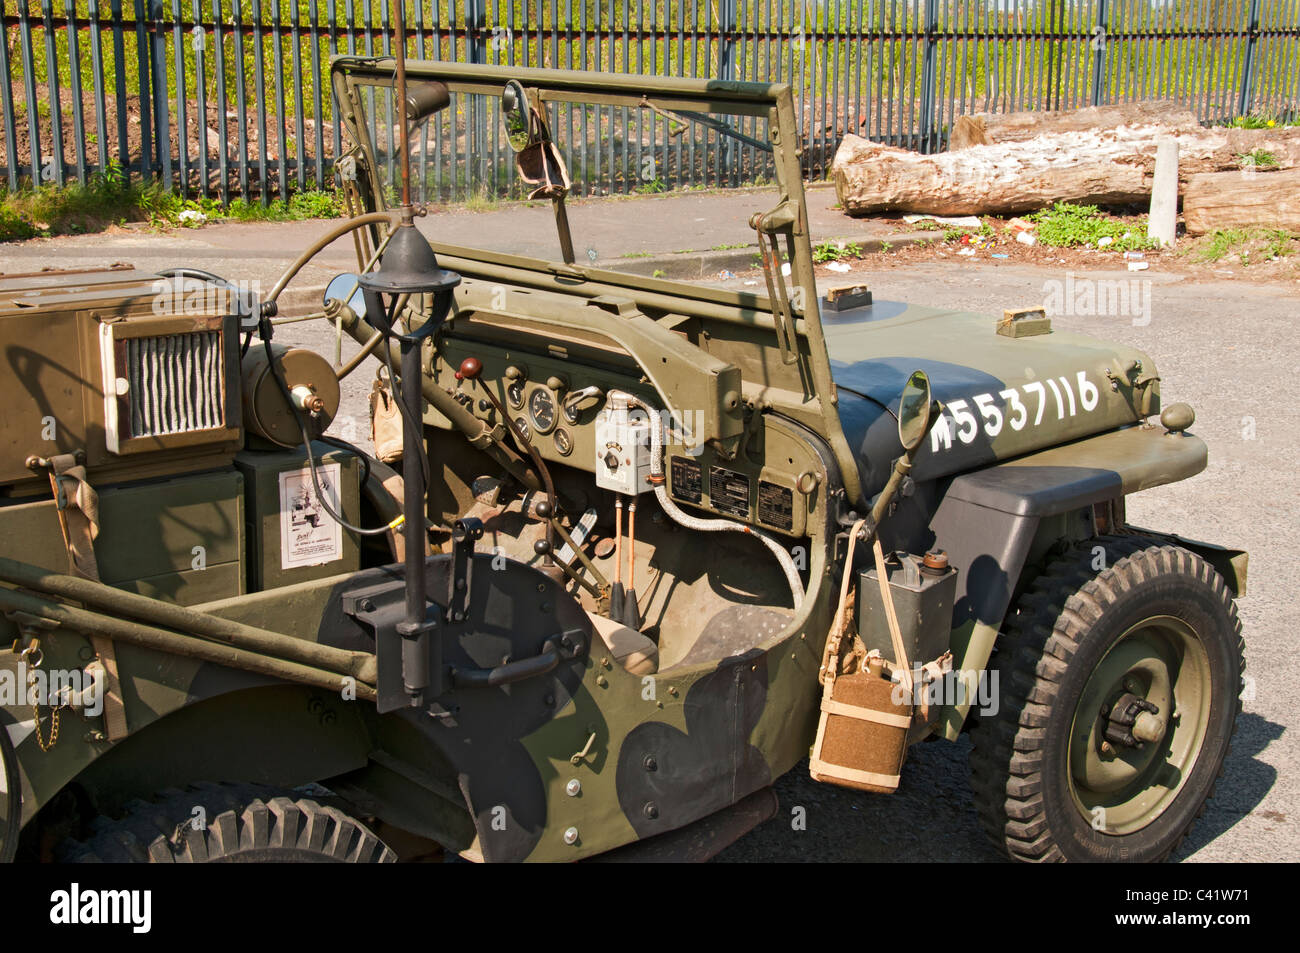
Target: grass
(836, 251)
(1066, 225)
(1247, 245)
(1259, 158)
(109, 199)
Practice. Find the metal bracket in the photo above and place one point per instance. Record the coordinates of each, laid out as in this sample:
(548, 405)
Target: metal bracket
(465, 533)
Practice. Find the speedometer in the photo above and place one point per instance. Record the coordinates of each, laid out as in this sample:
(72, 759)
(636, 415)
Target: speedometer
(541, 407)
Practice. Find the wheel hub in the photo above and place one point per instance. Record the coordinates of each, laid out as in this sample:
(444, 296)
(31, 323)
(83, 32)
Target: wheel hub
(1139, 725)
(1133, 721)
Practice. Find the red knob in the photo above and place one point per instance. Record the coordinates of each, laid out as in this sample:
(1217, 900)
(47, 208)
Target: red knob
(470, 369)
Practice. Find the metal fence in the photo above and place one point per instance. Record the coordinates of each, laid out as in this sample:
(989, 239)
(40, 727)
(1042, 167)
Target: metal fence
(226, 97)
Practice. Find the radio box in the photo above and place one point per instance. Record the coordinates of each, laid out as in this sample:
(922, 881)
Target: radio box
(291, 538)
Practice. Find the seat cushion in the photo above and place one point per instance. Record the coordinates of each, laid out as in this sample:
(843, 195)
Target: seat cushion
(629, 648)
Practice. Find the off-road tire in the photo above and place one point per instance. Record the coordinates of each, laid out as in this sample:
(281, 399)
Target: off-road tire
(244, 824)
(1060, 629)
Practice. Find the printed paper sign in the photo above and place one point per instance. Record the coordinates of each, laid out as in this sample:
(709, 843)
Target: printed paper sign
(309, 536)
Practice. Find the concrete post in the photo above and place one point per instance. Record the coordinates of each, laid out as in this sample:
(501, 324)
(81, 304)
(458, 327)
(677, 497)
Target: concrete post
(1164, 193)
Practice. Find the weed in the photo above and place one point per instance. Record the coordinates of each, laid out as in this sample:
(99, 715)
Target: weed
(1259, 159)
(1065, 225)
(834, 251)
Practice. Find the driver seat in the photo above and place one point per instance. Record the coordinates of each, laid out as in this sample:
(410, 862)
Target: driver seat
(629, 648)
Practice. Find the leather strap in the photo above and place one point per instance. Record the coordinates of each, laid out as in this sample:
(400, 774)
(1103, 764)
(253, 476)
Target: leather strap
(840, 773)
(839, 624)
(832, 707)
(78, 509)
(901, 663)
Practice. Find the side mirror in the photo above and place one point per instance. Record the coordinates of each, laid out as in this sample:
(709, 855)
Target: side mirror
(914, 411)
(515, 115)
(425, 99)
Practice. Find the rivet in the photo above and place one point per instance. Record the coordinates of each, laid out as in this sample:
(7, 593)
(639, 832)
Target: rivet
(573, 788)
(672, 691)
(571, 835)
(651, 810)
(650, 763)
(601, 681)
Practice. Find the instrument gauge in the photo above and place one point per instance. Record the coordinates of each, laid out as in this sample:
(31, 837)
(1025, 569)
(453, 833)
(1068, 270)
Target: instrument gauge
(563, 442)
(541, 407)
(515, 394)
(521, 424)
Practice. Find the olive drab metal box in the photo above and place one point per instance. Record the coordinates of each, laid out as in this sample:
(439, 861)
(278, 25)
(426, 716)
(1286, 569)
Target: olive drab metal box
(923, 598)
(291, 537)
(179, 540)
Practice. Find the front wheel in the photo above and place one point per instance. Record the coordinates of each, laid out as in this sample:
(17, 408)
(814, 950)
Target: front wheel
(1120, 676)
(229, 823)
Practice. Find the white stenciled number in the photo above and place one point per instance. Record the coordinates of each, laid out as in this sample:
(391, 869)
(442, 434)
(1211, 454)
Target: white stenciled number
(992, 414)
(1042, 399)
(1069, 395)
(1087, 392)
(967, 425)
(1060, 404)
(1018, 411)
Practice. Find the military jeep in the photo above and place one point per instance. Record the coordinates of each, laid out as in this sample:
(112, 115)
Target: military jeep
(594, 602)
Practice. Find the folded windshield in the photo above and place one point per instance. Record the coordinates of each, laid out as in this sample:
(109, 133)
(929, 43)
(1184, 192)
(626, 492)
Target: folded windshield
(611, 145)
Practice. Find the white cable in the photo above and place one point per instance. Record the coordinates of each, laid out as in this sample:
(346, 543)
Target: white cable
(708, 525)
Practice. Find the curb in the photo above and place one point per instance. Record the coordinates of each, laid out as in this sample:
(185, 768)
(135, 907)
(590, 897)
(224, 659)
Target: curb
(707, 264)
(681, 266)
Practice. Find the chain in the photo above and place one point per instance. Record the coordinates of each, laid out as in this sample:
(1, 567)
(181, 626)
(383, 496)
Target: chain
(31, 649)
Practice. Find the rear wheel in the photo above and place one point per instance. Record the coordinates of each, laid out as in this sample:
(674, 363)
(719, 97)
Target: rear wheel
(221, 823)
(1119, 682)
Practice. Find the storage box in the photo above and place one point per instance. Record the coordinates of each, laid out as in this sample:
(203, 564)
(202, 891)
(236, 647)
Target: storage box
(923, 601)
(291, 538)
(180, 540)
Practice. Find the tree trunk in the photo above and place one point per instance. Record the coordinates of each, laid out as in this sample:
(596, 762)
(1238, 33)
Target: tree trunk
(1216, 200)
(984, 129)
(1103, 167)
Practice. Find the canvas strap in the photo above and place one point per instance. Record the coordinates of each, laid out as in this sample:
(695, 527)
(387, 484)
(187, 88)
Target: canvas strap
(901, 663)
(839, 772)
(77, 504)
(840, 622)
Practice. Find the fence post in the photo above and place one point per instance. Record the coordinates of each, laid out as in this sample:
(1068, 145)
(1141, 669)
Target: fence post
(162, 124)
(7, 100)
(726, 72)
(1098, 45)
(1248, 76)
(929, 65)
(142, 74)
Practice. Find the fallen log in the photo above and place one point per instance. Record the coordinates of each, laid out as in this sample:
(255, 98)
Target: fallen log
(1103, 167)
(1221, 200)
(986, 129)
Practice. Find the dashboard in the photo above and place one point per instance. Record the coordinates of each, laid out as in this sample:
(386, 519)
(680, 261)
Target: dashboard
(556, 399)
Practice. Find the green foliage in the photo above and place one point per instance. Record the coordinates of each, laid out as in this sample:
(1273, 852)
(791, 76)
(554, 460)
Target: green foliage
(1259, 158)
(1066, 225)
(1246, 243)
(653, 187)
(834, 251)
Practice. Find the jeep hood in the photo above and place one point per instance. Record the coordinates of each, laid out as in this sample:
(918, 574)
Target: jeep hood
(1002, 396)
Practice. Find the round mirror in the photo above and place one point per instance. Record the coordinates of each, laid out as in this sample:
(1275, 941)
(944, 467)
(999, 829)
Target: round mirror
(914, 410)
(514, 113)
(346, 288)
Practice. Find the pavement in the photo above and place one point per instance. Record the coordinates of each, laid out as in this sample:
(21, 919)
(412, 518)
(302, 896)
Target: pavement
(1228, 347)
(685, 235)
